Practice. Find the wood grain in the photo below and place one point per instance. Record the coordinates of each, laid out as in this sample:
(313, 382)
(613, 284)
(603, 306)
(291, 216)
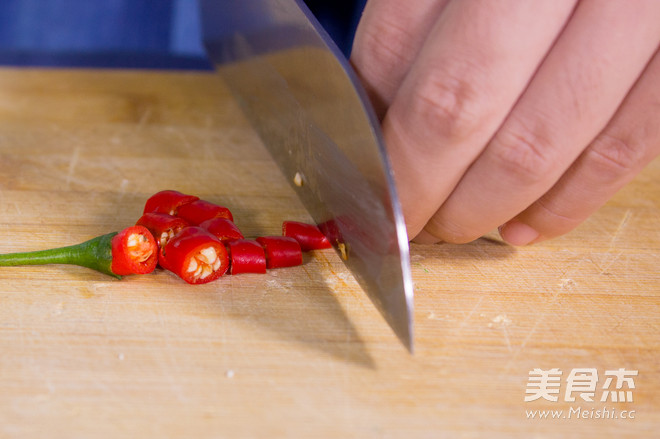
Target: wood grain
(299, 352)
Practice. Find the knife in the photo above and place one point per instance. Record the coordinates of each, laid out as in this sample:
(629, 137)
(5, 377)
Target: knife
(305, 102)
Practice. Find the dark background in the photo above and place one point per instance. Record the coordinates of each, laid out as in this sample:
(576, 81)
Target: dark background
(129, 33)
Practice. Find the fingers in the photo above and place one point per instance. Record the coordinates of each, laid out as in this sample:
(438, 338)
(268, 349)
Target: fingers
(475, 64)
(387, 40)
(628, 143)
(573, 95)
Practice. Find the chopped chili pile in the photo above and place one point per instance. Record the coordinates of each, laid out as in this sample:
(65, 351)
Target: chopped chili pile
(199, 241)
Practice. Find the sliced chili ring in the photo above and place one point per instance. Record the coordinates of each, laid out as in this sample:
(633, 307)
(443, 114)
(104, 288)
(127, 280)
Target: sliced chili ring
(167, 201)
(281, 251)
(196, 256)
(134, 251)
(246, 256)
(201, 210)
(308, 236)
(223, 229)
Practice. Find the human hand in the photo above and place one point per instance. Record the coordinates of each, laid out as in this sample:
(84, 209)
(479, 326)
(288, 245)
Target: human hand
(518, 114)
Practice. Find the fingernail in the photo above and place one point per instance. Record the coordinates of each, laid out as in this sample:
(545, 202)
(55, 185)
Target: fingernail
(425, 237)
(516, 233)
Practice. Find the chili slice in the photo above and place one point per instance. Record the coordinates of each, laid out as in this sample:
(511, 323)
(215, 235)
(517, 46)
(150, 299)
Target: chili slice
(223, 229)
(201, 210)
(281, 251)
(134, 251)
(308, 235)
(162, 225)
(167, 201)
(246, 256)
(195, 255)
(131, 251)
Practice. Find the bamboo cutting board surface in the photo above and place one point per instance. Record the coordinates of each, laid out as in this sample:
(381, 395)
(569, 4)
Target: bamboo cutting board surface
(298, 352)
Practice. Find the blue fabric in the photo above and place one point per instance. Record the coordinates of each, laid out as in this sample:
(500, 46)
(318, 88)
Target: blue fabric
(75, 25)
(104, 33)
(128, 33)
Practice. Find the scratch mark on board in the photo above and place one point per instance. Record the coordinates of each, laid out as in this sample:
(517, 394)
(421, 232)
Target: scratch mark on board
(506, 338)
(566, 284)
(472, 311)
(144, 117)
(123, 186)
(622, 225)
(73, 162)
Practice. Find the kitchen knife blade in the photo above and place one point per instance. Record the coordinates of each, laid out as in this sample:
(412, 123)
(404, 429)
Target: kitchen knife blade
(304, 100)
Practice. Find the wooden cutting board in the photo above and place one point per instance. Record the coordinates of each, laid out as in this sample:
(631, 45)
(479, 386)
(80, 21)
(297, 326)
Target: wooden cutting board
(298, 352)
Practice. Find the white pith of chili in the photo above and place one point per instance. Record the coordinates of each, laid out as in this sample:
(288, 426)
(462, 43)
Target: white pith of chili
(165, 237)
(204, 263)
(138, 247)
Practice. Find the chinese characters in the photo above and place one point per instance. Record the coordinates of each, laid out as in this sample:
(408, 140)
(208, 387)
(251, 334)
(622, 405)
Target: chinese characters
(581, 383)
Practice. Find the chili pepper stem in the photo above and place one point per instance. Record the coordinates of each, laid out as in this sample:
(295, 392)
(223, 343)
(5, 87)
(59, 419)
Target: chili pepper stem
(95, 254)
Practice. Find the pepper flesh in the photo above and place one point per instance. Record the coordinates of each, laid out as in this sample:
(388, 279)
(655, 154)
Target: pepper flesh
(167, 201)
(281, 251)
(111, 254)
(223, 229)
(201, 210)
(308, 236)
(246, 256)
(196, 256)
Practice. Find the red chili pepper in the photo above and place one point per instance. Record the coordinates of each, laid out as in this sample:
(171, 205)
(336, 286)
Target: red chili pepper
(281, 251)
(162, 225)
(308, 235)
(223, 229)
(201, 210)
(196, 256)
(246, 256)
(167, 202)
(131, 251)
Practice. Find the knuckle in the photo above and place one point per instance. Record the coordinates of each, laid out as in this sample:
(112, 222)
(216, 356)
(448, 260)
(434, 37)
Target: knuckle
(614, 157)
(382, 46)
(525, 154)
(448, 104)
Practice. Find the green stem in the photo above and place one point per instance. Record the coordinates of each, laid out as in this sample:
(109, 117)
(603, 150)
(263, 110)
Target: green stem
(95, 254)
